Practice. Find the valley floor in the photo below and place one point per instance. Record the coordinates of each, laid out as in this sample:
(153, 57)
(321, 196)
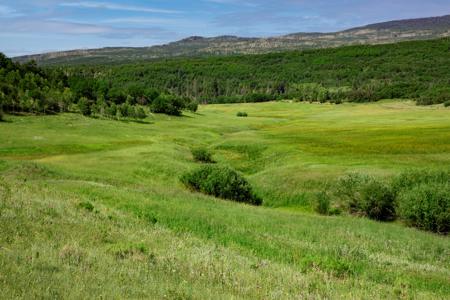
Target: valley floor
(95, 207)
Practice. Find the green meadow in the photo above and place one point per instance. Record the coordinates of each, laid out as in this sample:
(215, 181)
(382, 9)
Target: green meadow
(95, 206)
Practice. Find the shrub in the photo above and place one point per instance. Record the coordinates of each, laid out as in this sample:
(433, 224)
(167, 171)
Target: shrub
(348, 190)
(202, 155)
(2, 116)
(424, 100)
(124, 110)
(111, 111)
(443, 97)
(447, 103)
(434, 96)
(426, 206)
(423, 199)
(131, 112)
(160, 105)
(364, 195)
(140, 113)
(258, 97)
(412, 178)
(378, 201)
(322, 203)
(192, 106)
(242, 114)
(84, 106)
(167, 104)
(222, 182)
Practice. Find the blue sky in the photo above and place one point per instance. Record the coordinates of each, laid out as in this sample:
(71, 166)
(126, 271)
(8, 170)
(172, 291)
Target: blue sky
(28, 27)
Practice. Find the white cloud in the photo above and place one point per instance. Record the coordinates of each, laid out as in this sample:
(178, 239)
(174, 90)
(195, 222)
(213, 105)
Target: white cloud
(71, 28)
(4, 10)
(174, 23)
(114, 6)
(8, 12)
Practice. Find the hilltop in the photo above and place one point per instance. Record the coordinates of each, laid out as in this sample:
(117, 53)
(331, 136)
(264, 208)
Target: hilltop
(380, 33)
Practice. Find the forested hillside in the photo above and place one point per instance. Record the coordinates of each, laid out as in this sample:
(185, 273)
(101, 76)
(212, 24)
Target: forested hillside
(412, 70)
(26, 87)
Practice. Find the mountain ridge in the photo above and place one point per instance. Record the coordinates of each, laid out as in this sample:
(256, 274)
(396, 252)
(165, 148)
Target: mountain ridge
(377, 33)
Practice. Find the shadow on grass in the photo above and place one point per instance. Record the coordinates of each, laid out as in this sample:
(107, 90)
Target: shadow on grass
(122, 120)
(31, 114)
(135, 121)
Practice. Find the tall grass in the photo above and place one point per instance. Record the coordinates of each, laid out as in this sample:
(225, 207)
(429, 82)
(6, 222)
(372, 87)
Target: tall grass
(98, 203)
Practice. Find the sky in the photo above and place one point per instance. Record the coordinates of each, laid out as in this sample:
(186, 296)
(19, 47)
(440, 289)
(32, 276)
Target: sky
(28, 27)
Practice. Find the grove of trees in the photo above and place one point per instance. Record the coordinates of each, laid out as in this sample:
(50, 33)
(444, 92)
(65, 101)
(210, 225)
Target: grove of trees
(27, 88)
(417, 70)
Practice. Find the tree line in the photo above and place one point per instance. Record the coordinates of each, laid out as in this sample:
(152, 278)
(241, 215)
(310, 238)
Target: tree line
(417, 70)
(27, 88)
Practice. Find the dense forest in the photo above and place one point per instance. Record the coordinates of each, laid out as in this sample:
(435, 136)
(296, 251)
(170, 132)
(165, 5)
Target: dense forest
(411, 70)
(26, 87)
(417, 70)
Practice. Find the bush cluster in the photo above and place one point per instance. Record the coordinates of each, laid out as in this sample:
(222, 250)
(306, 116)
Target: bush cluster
(426, 206)
(447, 103)
(378, 201)
(242, 114)
(192, 106)
(418, 198)
(423, 199)
(167, 104)
(367, 196)
(202, 155)
(434, 96)
(222, 182)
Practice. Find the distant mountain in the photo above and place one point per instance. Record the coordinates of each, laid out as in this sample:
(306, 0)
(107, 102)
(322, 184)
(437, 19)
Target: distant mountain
(387, 32)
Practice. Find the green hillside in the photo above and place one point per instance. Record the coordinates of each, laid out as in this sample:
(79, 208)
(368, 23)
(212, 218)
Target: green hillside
(410, 70)
(95, 207)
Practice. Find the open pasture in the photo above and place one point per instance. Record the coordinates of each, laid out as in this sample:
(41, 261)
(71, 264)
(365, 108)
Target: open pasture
(96, 207)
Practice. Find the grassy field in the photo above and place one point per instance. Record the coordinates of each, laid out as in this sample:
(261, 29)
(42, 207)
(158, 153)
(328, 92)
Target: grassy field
(95, 207)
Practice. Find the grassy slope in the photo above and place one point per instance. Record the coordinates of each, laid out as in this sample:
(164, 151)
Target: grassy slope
(200, 246)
